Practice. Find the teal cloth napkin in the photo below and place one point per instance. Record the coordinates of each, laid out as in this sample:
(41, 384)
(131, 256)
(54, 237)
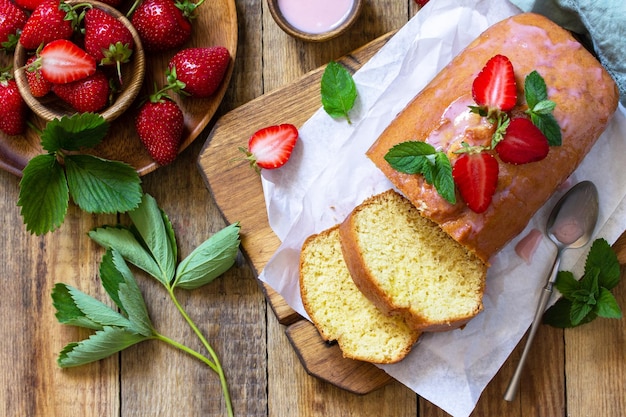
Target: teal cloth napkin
(600, 23)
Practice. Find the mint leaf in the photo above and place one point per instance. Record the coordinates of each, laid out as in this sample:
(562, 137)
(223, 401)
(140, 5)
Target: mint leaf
(209, 260)
(338, 91)
(540, 108)
(124, 241)
(44, 195)
(444, 183)
(579, 311)
(607, 306)
(101, 186)
(588, 298)
(81, 130)
(149, 222)
(67, 310)
(535, 89)
(549, 127)
(100, 345)
(417, 157)
(566, 284)
(602, 256)
(558, 315)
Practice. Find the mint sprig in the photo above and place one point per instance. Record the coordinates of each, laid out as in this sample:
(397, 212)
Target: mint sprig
(590, 297)
(150, 244)
(540, 108)
(338, 91)
(96, 185)
(416, 157)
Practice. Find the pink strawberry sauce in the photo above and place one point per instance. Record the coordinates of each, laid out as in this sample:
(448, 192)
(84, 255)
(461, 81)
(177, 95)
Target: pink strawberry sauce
(315, 16)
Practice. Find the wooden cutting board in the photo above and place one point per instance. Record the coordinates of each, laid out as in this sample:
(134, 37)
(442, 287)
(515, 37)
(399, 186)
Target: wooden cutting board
(238, 193)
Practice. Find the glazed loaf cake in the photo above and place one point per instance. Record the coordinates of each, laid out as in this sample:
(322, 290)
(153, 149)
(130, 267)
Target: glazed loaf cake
(405, 264)
(341, 312)
(585, 97)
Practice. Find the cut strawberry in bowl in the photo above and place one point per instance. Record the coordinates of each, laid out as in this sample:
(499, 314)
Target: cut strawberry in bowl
(63, 61)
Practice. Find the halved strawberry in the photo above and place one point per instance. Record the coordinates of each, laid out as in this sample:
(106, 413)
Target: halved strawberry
(522, 143)
(63, 62)
(271, 146)
(476, 177)
(494, 88)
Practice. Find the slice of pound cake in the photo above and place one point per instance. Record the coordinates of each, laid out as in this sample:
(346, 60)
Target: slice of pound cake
(406, 264)
(341, 312)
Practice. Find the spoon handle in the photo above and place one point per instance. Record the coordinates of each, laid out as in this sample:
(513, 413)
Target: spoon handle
(546, 293)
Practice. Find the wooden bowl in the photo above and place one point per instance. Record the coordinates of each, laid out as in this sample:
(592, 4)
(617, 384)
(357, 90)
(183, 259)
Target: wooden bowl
(291, 30)
(133, 72)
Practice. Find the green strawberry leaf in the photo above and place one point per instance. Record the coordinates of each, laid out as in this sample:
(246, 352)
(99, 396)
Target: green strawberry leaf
(81, 130)
(417, 157)
(101, 186)
(44, 194)
(209, 260)
(153, 229)
(95, 310)
(338, 91)
(124, 241)
(100, 345)
(111, 279)
(67, 310)
(131, 298)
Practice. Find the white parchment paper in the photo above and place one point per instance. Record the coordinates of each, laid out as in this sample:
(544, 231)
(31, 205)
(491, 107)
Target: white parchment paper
(329, 174)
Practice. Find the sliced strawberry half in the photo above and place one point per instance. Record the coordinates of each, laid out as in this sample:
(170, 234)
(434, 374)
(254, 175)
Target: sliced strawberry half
(476, 177)
(62, 62)
(522, 143)
(494, 88)
(271, 147)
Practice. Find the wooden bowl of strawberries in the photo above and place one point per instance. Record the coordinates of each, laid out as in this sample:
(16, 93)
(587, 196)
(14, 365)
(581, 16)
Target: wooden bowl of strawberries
(85, 73)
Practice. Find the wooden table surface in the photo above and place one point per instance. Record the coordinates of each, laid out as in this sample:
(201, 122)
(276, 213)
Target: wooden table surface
(579, 372)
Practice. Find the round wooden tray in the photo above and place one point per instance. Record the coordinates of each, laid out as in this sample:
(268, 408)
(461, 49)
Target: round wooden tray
(215, 25)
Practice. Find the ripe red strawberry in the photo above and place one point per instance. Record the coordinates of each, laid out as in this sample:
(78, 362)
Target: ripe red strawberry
(13, 110)
(38, 85)
(271, 146)
(494, 88)
(12, 19)
(28, 4)
(103, 31)
(200, 69)
(522, 143)
(160, 125)
(421, 3)
(89, 94)
(62, 61)
(476, 177)
(161, 24)
(46, 23)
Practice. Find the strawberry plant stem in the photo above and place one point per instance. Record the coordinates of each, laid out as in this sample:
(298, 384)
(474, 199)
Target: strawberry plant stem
(215, 365)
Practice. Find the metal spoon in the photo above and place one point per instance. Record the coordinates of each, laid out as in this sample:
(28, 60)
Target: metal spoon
(570, 225)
